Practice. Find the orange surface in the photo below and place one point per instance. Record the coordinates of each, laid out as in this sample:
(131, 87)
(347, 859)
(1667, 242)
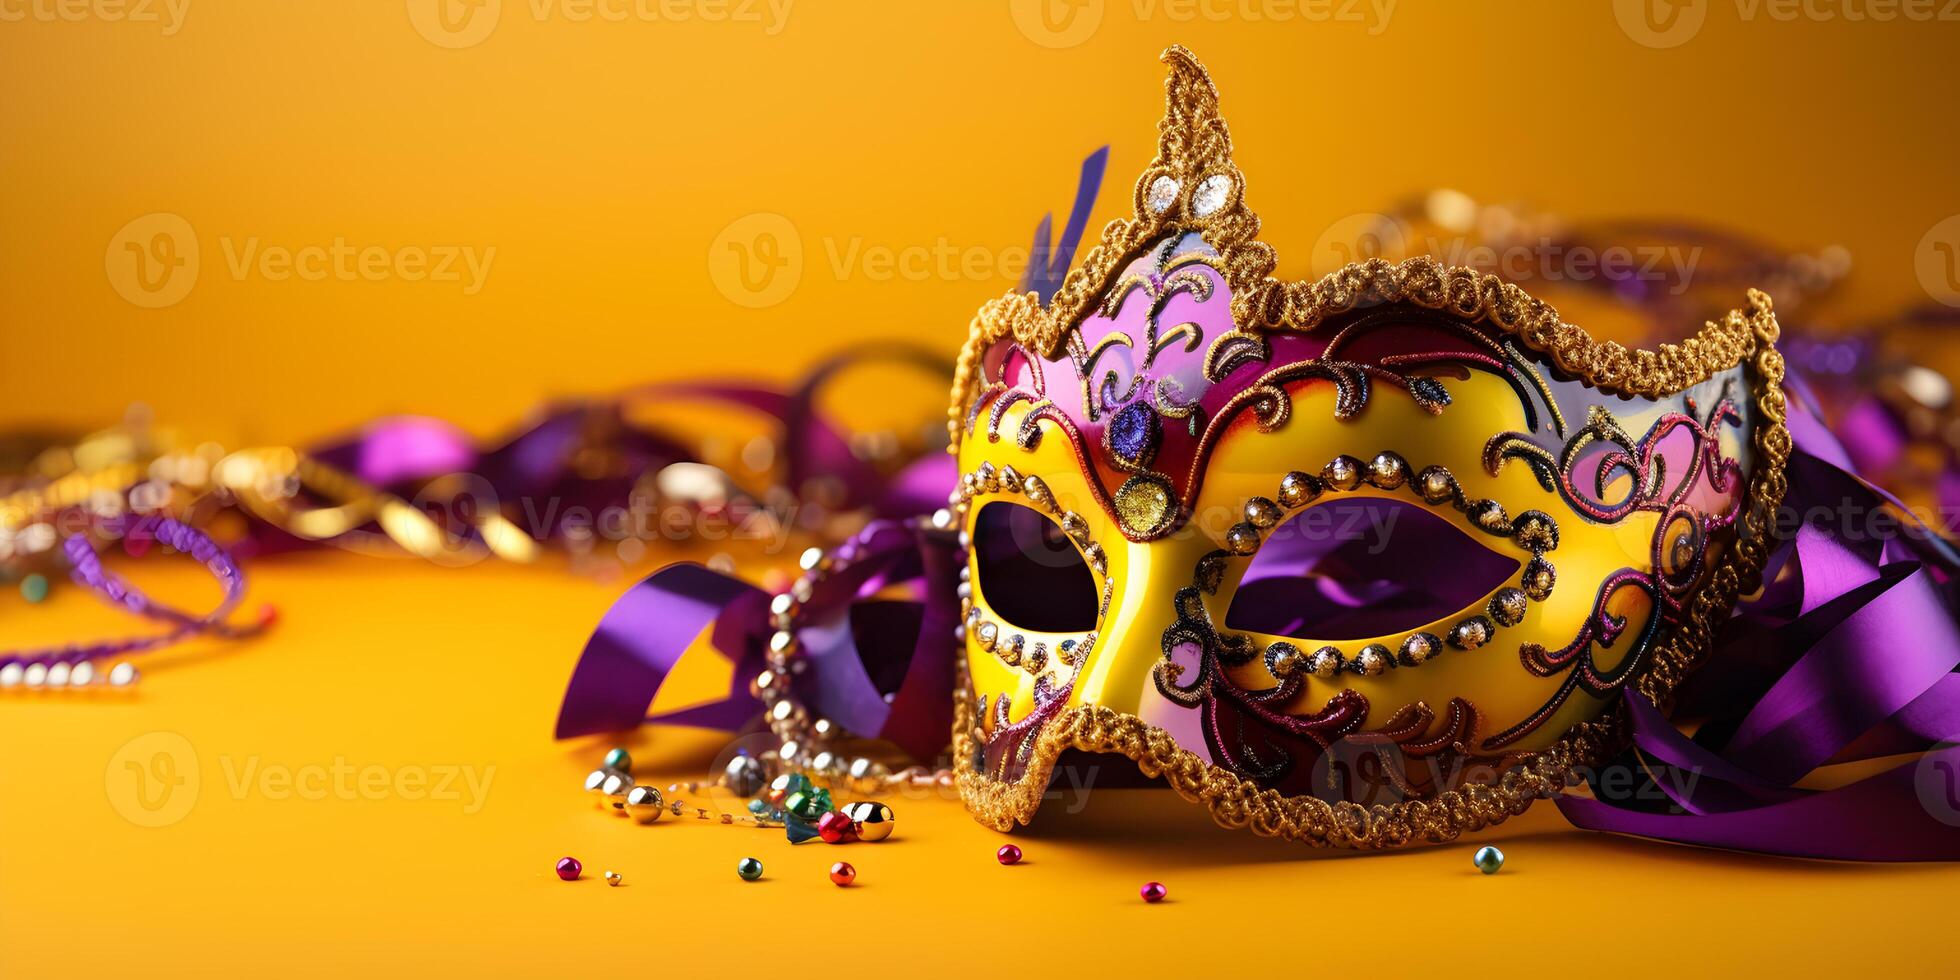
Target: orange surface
(611, 165)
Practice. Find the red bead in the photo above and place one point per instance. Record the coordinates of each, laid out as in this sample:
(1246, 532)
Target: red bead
(842, 874)
(836, 828)
(1008, 854)
(1154, 891)
(569, 868)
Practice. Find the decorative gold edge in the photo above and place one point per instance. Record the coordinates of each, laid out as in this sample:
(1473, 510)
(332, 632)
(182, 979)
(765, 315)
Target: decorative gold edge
(1237, 803)
(1193, 142)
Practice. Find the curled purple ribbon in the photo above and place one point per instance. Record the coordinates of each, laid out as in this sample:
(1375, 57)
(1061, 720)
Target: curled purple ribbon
(877, 637)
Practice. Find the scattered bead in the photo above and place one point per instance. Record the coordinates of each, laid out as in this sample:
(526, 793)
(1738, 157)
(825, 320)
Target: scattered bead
(613, 878)
(595, 781)
(34, 587)
(1154, 891)
(643, 803)
(1008, 854)
(873, 821)
(842, 874)
(749, 868)
(569, 868)
(744, 775)
(1488, 859)
(618, 760)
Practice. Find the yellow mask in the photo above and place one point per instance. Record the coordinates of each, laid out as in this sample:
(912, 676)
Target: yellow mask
(1359, 561)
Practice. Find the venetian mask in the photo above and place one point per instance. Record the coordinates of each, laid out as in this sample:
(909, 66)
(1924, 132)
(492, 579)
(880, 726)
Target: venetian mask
(1358, 561)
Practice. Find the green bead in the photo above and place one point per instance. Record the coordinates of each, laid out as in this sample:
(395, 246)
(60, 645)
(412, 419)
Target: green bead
(750, 869)
(34, 587)
(618, 759)
(1488, 860)
(803, 804)
(758, 807)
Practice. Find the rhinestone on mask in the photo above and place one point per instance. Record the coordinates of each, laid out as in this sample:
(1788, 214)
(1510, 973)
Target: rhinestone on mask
(1508, 607)
(1538, 579)
(1283, 660)
(1373, 660)
(1419, 647)
(1261, 513)
(1298, 488)
(1471, 633)
(1243, 539)
(1143, 505)
(1342, 473)
(1326, 662)
(1212, 194)
(1162, 194)
(1388, 471)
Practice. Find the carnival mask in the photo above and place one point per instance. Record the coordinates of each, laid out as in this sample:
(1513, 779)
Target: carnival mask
(1358, 561)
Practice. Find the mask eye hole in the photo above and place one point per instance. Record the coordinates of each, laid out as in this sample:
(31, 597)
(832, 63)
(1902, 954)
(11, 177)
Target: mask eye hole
(1361, 567)
(1030, 574)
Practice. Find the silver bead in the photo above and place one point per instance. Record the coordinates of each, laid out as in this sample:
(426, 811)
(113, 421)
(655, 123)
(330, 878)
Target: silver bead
(83, 675)
(36, 675)
(615, 787)
(596, 779)
(123, 675)
(745, 775)
(643, 803)
(811, 559)
(58, 674)
(10, 675)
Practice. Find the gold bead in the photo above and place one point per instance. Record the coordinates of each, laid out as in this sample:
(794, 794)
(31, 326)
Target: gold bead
(613, 878)
(874, 821)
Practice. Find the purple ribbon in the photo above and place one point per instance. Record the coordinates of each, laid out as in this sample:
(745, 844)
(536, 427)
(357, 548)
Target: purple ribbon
(1847, 656)
(87, 571)
(861, 645)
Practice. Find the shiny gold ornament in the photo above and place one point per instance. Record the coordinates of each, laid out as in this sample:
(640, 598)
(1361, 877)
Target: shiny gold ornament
(874, 821)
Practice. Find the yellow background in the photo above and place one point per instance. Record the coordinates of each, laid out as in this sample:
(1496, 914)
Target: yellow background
(605, 162)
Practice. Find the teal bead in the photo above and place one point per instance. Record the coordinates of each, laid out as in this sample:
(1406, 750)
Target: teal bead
(749, 868)
(619, 760)
(758, 807)
(1488, 860)
(34, 587)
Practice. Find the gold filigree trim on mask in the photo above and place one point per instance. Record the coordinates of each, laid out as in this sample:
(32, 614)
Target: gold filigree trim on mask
(1177, 194)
